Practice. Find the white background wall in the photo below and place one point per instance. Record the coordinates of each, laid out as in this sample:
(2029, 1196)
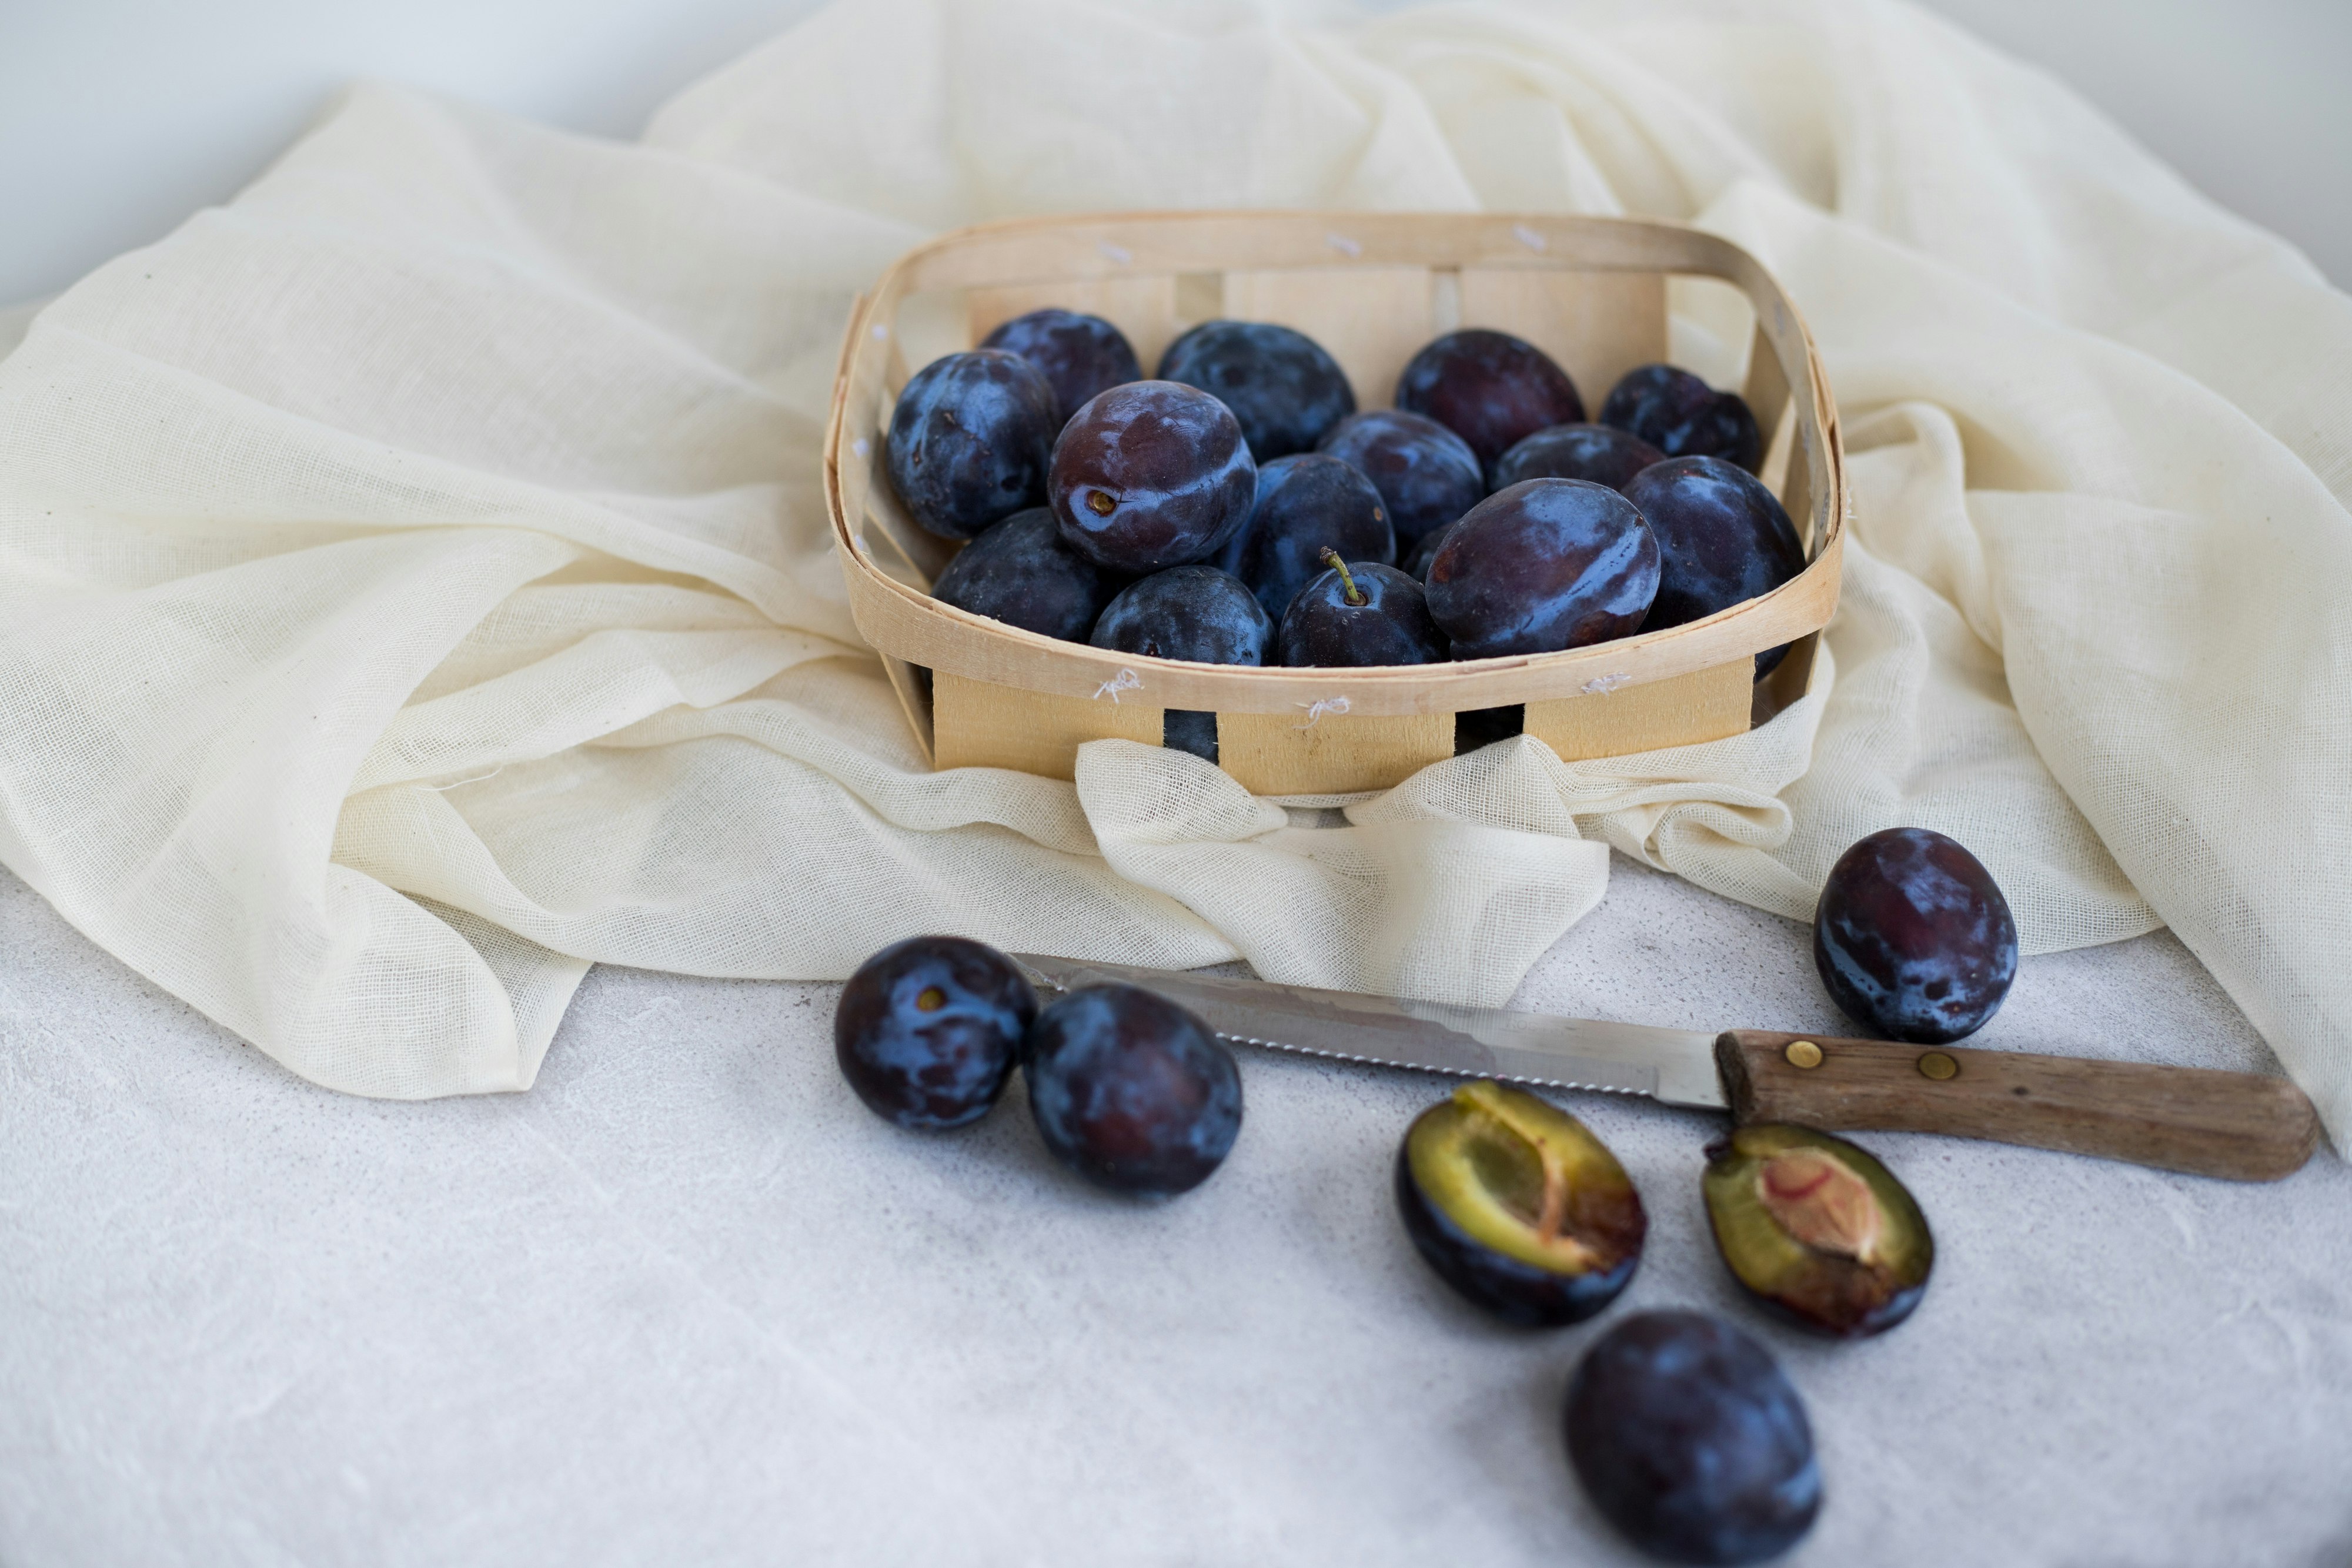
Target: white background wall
(118, 118)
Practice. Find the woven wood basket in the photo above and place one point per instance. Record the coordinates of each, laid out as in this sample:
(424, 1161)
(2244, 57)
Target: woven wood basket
(1372, 288)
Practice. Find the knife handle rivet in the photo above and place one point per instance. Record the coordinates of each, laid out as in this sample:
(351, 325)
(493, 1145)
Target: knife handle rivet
(1938, 1066)
(1803, 1053)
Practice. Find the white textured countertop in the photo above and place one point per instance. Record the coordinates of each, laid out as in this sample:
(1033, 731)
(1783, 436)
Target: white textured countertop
(687, 1302)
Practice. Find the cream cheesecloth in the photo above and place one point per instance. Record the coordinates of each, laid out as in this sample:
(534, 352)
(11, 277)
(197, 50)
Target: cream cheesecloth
(415, 584)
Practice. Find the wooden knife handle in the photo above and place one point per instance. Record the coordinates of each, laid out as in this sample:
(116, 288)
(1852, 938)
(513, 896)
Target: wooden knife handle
(2238, 1125)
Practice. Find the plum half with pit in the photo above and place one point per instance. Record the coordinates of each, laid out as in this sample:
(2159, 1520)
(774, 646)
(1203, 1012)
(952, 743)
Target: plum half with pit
(1360, 614)
(1306, 504)
(1817, 1230)
(929, 1029)
(1193, 613)
(1913, 937)
(1518, 1207)
(1489, 388)
(1682, 416)
(1150, 474)
(1594, 452)
(1426, 474)
(970, 441)
(1020, 571)
(1132, 1092)
(1281, 385)
(1080, 355)
(1692, 1442)
(1545, 565)
(1723, 540)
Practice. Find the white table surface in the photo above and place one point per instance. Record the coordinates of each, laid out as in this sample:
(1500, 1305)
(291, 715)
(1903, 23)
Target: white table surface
(689, 1301)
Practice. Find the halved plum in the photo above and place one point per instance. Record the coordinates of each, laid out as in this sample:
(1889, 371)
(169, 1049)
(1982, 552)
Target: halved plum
(1518, 1207)
(1817, 1230)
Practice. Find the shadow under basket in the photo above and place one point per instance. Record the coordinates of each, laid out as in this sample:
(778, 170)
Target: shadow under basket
(1372, 288)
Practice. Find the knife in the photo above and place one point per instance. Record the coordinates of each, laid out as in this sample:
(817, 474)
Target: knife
(2239, 1126)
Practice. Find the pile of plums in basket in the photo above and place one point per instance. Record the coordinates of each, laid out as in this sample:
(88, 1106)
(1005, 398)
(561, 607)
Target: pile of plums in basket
(1239, 509)
(1128, 1089)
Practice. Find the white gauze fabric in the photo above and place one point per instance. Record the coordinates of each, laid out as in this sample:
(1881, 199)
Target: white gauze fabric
(416, 585)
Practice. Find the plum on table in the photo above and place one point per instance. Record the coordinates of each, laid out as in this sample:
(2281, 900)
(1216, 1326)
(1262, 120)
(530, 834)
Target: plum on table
(1691, 1441)
(1545, 565)
(1816, 1229)
(1426, 474)
(970, 441)
(1022, 572)
(1518, 1207)
(1723, 540)
(1913, 937)
(1150, 474)
(1132, 1092)
(1491, 388)
(1281, 385)
(1595, 451)
(1306, 503)
(1194, 612)
(929, 1029)
(1682, 416)
(1080, 355)
(1364, 613)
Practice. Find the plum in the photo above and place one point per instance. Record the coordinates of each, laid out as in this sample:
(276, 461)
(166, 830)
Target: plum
(1426, 474)
(1913, 937)
(1691, 1441)
(929, 1029)
(1518, 1207)
(1594, 452)
(1079, 355)
(1132, 1092)
(1545, 565)
(1150, 474)
(1306, 503)
(1194, 612)
(1285, 389)
(1492, 389)
(1816, 1229)
(971, 440)
(1416, 566)
(1723, 540)
(1020, 571)
(1367, 614)
(1682, 416)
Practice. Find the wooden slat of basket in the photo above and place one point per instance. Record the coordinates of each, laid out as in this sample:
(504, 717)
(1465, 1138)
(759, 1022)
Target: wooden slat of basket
(1333, 754)
(1706, 704)
(982, 725)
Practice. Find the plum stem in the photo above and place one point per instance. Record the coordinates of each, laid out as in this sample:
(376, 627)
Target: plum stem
(1331, 559)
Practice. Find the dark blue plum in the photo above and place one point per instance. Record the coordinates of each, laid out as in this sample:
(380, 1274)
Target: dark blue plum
(1518, 1207)
(1194, 612)
(1545, 565)
(971, 440)
(929, 1029)
(1913, 937)
(1690, 1440)
(1080, 355)
(1682, 416)
(1416, 566)
(1150, 474)
(1594, 452)
(1492, 389)
(1426, 474)
(1132, 1092)
(1362, 613)
(1306, 504)
(1285, 389)
(1021, 572)
(1723, 540)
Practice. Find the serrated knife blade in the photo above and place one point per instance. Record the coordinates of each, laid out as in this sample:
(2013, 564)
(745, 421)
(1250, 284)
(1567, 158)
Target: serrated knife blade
(1674, 1066)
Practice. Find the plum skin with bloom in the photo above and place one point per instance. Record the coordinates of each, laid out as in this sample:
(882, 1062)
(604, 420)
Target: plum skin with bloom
(1022, 572)
(1914, 938)
(1545, 565)
(1079, 355)
(928, 1030)
(1282, 388)
(971, 440)
(1132, 1092)
(1306, 503)
(1150, 474)
(1426, 474)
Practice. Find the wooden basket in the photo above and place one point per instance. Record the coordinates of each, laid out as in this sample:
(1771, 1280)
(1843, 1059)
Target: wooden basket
(1372, 288)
